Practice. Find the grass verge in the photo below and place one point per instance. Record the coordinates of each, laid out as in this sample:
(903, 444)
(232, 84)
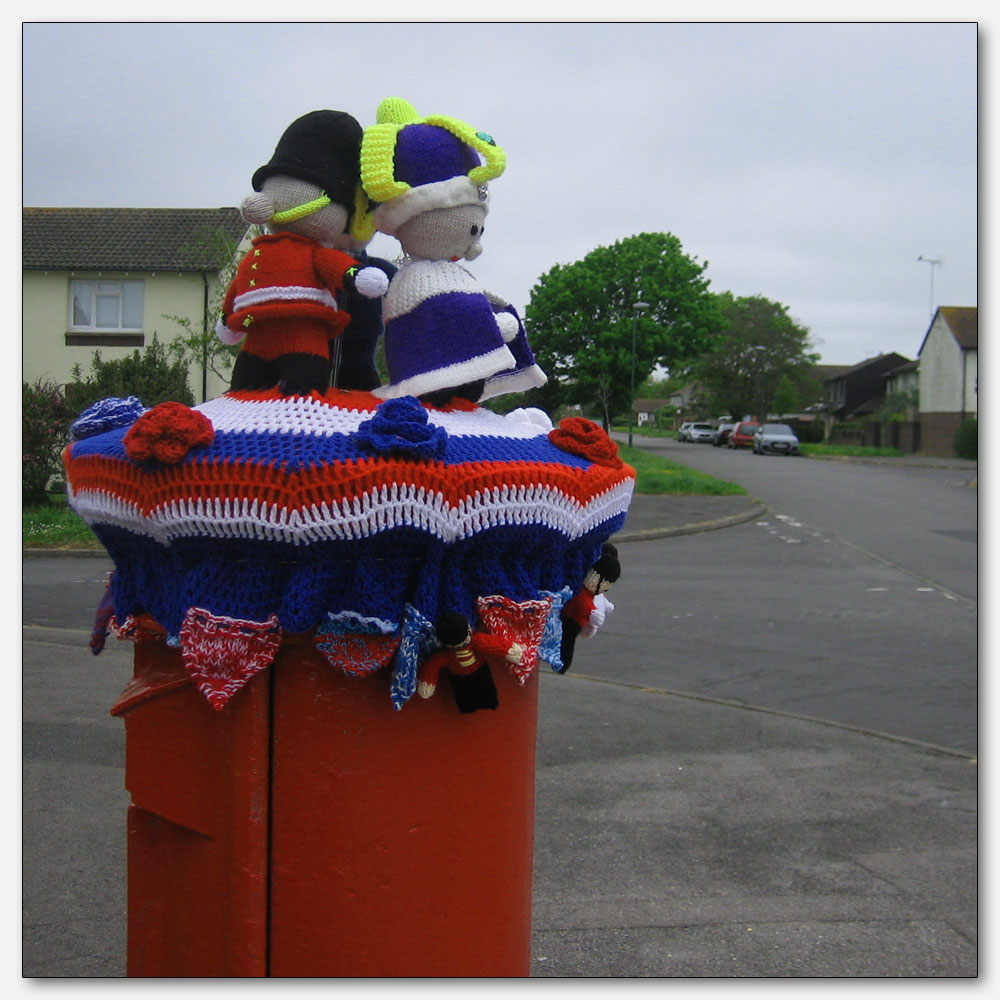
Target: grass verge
(847, 451)
(659, 475)
(54, 526)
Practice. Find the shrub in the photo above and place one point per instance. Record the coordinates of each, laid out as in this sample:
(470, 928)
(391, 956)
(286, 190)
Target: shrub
(148, 374)
(810, 431)
(45, 420)
(967, 439)
(665, 417)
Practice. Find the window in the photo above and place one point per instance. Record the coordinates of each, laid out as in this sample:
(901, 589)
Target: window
(105, 312)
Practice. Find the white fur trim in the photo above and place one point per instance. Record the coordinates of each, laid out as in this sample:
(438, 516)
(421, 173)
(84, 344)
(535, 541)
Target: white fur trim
(451, 375)
(390, 215)
(521, 380)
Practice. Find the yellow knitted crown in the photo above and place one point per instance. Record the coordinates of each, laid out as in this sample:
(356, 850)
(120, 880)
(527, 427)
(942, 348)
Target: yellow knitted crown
(378, 147)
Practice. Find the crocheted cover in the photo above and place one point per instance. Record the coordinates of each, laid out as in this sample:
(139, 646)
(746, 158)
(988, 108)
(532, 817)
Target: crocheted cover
(355, 519)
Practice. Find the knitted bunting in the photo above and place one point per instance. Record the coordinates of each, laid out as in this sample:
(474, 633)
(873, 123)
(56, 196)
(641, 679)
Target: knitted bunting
(222, 654)
(356, 645)
(522, 623)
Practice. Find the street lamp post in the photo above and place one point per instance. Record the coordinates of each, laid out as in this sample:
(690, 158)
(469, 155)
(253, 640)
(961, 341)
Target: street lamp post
(637, 307)
(934, 262)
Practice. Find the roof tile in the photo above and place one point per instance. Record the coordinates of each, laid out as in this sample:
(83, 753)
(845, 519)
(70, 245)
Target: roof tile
(123, 239)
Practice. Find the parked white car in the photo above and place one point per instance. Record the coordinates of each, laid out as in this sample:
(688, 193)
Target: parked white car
(775, 439)
(683, 432)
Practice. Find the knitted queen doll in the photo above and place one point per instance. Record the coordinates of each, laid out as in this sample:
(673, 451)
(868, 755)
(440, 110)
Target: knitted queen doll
(445, 336)
(282, 304)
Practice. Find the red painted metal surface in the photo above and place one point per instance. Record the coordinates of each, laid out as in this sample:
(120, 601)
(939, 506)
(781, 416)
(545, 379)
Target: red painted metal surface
(402, 842)
(308, 830)
(198, 823)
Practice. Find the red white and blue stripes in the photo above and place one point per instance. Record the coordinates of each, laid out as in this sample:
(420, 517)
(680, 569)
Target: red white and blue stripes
(307, 510)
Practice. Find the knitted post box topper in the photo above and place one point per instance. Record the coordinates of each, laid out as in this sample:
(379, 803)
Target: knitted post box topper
(444, 337)
(357, 520)
(282, 301)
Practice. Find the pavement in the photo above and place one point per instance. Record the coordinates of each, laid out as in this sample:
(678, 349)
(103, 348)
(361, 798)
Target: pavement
(675, 836)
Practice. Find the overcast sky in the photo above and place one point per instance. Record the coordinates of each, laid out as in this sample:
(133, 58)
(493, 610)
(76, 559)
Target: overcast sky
(808, 163)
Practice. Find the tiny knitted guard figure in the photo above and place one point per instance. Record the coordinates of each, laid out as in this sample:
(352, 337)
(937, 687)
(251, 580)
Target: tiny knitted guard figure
(282, 302)
(466, 656)
(578, 612)
(443, 335)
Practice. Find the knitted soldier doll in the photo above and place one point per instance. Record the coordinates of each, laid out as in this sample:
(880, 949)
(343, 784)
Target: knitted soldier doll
(442, 335)
(466, 656)
(577, 612)
(353, 352)
(281, 304)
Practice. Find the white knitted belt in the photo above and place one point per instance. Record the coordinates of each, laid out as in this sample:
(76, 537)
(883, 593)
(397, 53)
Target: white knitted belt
(284, 293)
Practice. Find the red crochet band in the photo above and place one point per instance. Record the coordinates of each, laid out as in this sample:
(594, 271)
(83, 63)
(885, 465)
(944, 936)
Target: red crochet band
(152, 489)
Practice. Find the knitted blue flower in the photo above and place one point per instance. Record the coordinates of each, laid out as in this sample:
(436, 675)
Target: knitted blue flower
(106, 415)
(400, 425)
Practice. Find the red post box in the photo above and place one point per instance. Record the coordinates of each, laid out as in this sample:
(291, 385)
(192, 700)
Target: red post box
(308, 831)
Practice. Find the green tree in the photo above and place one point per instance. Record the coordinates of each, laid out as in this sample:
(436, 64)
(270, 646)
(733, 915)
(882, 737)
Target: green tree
(895, 405)
(786, 396)
(580, 321)
(148, 374)
(198, 347)
(760, 361)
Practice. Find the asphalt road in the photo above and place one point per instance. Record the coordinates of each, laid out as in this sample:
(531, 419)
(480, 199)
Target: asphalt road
(852, 601)
(918, 514)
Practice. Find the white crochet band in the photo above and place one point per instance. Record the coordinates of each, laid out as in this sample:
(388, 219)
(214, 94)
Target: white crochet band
(377, 510)
(390, 215)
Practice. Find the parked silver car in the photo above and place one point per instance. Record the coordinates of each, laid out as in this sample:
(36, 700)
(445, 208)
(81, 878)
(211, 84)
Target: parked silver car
(682, 434)
(700, 433)
(775, 439)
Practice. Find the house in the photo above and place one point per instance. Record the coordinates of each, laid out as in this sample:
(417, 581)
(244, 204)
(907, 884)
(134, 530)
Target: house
(860, 390)
(644, 410)
(904, 381)
(108, 279)
(682, 399)
(948, 377)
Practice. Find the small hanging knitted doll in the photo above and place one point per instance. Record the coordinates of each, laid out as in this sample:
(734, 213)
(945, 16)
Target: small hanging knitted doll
(577, 612)
(443, 337)
(282, 302)
(466, 656)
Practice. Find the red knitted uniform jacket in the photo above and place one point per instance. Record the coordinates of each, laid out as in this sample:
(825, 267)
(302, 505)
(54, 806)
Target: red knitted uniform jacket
(485, 647)
(282, 296)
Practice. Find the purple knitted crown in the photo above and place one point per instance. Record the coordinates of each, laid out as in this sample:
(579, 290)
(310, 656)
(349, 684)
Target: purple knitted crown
(425, 154)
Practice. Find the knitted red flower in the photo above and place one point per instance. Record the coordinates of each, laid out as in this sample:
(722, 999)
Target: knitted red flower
(167, 433)
(583, 437)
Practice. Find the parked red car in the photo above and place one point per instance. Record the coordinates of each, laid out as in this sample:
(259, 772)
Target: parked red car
(742, 435)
